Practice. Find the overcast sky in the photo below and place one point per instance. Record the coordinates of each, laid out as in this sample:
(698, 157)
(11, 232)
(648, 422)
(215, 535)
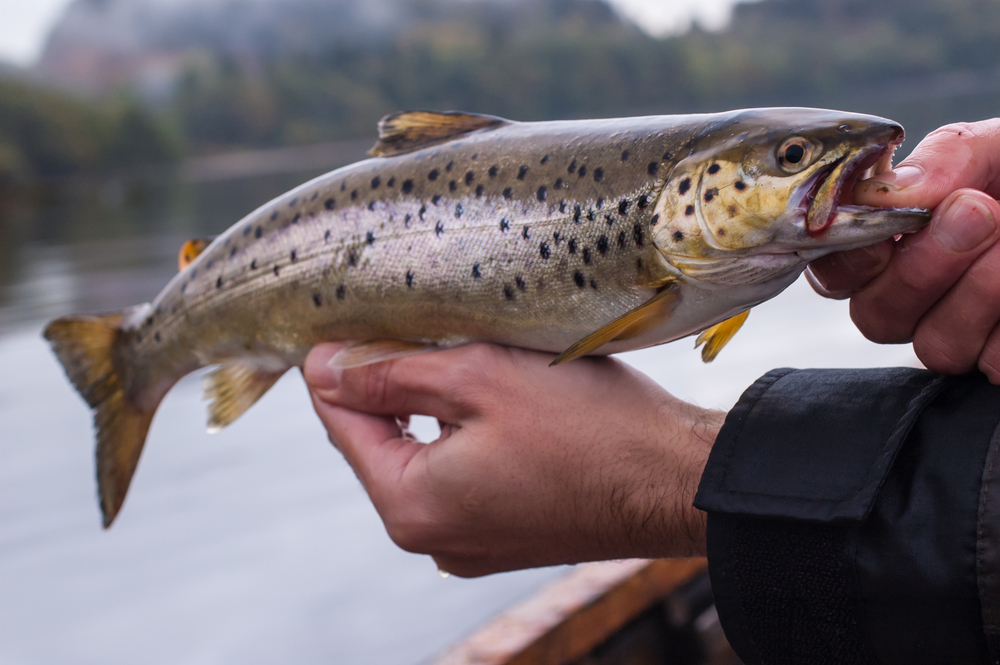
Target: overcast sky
(24, 23)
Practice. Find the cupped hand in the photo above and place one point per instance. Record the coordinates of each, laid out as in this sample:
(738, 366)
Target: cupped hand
(939, 287)
(535, 465)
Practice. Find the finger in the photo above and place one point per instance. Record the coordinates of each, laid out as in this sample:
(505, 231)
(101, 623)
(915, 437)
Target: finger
(951, 337)
(924, 266)
(989, 360)
(423, 384)
(840, 274)
(374, 446)
(958, 156)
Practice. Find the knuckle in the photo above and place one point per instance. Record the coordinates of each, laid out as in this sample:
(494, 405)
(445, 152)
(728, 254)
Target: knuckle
(375, 382)
(409, 534)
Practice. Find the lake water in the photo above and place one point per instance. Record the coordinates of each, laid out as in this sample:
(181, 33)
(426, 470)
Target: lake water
(255, 545)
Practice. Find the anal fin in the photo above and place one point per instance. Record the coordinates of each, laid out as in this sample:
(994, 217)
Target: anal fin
(234, 387)
(718, 336)
(648, 315)
(376, 351)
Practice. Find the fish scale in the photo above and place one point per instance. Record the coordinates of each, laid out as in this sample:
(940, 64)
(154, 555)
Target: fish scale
(569, 236)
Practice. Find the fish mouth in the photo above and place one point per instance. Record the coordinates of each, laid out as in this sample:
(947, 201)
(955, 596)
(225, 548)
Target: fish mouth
(833, 184)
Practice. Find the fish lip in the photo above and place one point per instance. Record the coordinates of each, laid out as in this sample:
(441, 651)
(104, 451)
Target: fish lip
(847, 170)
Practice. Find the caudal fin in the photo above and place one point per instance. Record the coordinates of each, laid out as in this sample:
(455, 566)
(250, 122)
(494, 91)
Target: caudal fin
(87, 347)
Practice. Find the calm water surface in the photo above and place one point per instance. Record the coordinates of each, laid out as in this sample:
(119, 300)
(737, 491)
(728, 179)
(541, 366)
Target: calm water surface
(255, 545)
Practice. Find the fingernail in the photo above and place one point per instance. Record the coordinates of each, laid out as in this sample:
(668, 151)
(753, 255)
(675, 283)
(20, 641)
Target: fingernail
(898, 178)
(860, 260)
(335, 374)
(964, 224)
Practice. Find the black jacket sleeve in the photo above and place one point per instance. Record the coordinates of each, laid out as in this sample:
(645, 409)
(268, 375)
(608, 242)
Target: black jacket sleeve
(854, 517)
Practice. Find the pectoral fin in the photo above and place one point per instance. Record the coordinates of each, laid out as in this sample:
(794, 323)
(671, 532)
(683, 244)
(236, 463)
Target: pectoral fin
(190, 251)
(648, 315)
(718, 336)
(233, 388)
(376, 351)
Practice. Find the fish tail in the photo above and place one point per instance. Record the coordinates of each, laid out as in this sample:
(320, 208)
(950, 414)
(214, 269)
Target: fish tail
(89, 348)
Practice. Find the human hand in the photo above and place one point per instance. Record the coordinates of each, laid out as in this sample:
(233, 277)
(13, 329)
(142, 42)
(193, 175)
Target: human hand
(939, 287)
(535, 465)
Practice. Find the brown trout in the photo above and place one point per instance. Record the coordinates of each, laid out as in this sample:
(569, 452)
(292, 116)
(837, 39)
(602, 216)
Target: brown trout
(573, 237)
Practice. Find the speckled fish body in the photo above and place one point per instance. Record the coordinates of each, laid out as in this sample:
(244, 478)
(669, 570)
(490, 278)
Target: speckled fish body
(525, 234)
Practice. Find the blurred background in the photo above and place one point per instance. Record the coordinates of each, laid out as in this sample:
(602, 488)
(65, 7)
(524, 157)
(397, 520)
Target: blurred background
(128, 126)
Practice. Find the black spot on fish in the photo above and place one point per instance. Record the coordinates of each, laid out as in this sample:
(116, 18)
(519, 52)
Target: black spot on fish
(479, 190)
(638, 264)
(370, 237)
(277, 270)
(602, 244)
(392, 182)
(450, 166)
(341, 291)
(591, 215)
(406, 220)
(557, 237)
(354, 194)
(274, 215)
(576, 214)
(525, 233)
(475, 156)
(317, 300)
(610, 220)
(291, 204)
(184, 287)
(218, 283)
(210, 264)
(740, 185)
(625, 155)
(407, 186)
(582, 171)
(684, 186)
(520, 283)
(247, 230)
(330, 204)
(508, 292)
(296, 218)
(542, 193)
(688, 211)
(507, 193)
(149, 320)
(710, 194)
(623, 207)
(562, 206)
(232, 252)
(713, 169)
(598, 174)
(720, 232)
(593, 284)
(194, 273)
(639, 235)
(258, 232)
(436, 199)
(326, 235)
(571, 245)
(409, 279)
(493, 171)
(469, 177)
(677, 235)
(643, 202)
(655, 220)
(544, 159)
(156, 336)
(343, 185)
(253, 264)
(352, 258)
(475, 271)
(667, 156)
(586, 255)
(600, 203)
(652, 168)
(376, 181)
(558, 183)
(731, 210)
(521, 172)
(572, 167)
(294, 256)
(433, 175)
(621, 239)
(452, 186)
(438, 229)
(459, 210)
(543, 250)
(504, 225)
(422, 212)
(579, 279)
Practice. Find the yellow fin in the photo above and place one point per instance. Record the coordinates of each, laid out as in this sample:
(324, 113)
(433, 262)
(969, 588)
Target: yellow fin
(376, 351)
(651, 313)
(405, 131)
(191, 250)
(86, 346)
(718, 336)
(234, 387)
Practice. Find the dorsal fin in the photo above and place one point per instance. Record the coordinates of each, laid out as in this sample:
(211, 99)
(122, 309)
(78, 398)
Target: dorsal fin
(405, 131)
(190, 251)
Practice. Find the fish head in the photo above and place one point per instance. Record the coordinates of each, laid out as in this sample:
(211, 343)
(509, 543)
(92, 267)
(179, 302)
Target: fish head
(764, 191)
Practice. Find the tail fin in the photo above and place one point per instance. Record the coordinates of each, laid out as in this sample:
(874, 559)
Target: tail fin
(86, 347)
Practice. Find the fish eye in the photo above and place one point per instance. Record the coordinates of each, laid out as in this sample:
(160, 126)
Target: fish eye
(795, 154)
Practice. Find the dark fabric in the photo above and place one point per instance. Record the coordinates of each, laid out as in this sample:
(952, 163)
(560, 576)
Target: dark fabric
(988, 548)
(846, 509)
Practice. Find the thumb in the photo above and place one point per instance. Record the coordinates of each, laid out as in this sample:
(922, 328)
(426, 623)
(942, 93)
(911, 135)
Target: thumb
(957, 156)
